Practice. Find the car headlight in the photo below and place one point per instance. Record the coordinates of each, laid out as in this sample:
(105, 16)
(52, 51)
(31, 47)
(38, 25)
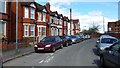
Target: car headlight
(48, 45)
(73, 40)
(35, 46)
(102, 48)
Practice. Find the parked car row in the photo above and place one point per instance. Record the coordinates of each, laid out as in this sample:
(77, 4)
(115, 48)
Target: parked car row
(51, 43)
(108, 48)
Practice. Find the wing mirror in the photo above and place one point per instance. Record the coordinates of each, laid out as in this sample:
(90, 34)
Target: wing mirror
(98, 41)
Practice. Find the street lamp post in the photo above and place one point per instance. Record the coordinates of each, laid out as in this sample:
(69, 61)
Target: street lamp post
(17, 26)
(70, 20)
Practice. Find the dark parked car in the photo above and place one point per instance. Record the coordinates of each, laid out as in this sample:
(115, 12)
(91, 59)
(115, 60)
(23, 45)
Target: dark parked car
(79, 38)
(74, 39)
(66, 40)
(50, 43)
(111, 56)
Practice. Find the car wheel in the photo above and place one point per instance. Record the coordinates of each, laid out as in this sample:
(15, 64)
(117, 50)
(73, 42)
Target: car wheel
(98, 52)
(66, 44)
(102, 62)
(53, 49)
(61, 46)
(70, 43)
(36, 51)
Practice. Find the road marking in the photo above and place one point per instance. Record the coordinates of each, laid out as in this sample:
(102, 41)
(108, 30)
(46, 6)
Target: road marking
(52, 54)
(47, 57)
(48, 60)
(41, 61)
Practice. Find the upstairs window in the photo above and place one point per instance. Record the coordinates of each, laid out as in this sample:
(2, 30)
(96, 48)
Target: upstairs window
(44, 17)
(26, 12)
(3, 6)
(39, 16)
(32, 13)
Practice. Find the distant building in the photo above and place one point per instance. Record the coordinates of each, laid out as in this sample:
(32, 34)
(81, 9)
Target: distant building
(114, 27)
(75, 27)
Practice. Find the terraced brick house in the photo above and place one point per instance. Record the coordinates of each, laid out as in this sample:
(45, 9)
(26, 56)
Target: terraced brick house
(42, 21)
(65, 25)
(76, 26)
(59, 25)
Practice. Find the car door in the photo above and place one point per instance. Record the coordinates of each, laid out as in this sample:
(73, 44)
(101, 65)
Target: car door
(119, 57)
(111, 56)
(57, 42)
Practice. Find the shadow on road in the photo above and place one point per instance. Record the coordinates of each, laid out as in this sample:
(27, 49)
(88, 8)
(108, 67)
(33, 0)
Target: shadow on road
(95, 51)
(97, 62)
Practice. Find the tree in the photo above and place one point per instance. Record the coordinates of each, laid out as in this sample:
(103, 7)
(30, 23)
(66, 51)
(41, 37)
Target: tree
(91, 30)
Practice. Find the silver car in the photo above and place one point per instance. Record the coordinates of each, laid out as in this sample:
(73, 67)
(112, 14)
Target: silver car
(105, 41)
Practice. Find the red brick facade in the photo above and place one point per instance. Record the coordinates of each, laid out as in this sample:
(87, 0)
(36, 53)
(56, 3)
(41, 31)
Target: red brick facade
(34, 21)
(114, 27)
(76, 26)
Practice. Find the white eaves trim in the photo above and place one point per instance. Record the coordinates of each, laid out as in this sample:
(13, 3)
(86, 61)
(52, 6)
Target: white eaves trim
(32, 5)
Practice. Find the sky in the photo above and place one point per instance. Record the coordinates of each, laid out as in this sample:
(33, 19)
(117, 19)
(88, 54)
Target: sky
(88, 12)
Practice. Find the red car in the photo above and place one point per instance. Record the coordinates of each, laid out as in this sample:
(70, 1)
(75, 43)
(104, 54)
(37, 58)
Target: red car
(50, 43)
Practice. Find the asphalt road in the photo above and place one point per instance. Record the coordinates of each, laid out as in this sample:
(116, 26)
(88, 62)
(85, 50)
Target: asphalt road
(80, 54)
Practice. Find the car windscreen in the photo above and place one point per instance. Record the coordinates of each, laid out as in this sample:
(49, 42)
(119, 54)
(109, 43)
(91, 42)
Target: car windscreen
(108, 40)
(62, 37)
(73, 36)
(78, 36)
(48, 39)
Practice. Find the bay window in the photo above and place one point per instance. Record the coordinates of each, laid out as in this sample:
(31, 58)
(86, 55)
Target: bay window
(32, 30)
(32, 13)
(41, 31)
(26, 28)
(26, 12)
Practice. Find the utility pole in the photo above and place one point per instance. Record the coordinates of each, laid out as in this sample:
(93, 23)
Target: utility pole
(70, 20)
(16, 25)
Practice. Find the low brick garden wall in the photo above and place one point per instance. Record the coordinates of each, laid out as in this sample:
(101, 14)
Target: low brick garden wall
(12, 45)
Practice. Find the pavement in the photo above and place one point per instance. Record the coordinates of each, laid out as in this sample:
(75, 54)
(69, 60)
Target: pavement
(80, 54)
(12, 54)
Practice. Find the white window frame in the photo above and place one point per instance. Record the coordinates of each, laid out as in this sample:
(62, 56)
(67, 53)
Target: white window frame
(44, 17)
(32, 13)
(26, 12)
(41, 30)
(52, 31)
(26, 26)
(64, 23)
(32, 30)
(44, 31)
(39, 16)
(3, 30)
(5, 6)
